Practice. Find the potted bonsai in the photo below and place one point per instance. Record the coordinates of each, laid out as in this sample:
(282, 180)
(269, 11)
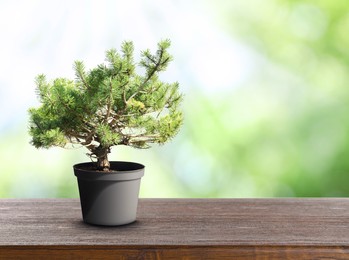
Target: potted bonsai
(117, 103)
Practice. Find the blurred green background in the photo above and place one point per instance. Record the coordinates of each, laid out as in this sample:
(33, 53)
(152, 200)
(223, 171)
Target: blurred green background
(266, 93)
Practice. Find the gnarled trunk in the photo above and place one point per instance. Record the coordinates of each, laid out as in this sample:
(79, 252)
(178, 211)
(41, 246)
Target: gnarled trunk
(103, 163)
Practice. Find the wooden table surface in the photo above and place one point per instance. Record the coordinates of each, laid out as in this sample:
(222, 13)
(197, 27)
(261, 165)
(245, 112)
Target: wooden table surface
(179, 229)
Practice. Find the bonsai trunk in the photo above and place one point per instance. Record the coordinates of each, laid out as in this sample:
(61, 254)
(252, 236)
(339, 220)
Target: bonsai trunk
(103, 163)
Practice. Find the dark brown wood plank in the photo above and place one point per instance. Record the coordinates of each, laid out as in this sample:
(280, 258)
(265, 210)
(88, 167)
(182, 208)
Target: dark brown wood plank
(173, 252)
(170, 228)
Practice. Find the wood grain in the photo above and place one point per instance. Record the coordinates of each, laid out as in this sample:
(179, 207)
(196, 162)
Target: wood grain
(179, 229)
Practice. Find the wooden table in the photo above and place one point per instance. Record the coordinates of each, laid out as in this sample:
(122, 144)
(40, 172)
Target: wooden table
(179, 229)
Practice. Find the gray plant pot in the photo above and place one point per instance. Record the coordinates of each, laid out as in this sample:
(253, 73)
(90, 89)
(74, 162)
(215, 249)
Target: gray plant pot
(111, 198)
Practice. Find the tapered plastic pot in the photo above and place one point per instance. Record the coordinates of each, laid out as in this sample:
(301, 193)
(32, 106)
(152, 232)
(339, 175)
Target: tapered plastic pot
(109, 199)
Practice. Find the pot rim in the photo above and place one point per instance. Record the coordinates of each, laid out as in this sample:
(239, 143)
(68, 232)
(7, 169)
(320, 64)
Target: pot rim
(128, 171)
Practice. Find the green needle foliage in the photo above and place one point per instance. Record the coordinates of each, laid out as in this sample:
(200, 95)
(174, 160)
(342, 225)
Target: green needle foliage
(109, 105)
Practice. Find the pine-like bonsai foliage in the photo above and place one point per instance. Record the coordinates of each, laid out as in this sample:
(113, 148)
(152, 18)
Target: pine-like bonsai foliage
(108, 105)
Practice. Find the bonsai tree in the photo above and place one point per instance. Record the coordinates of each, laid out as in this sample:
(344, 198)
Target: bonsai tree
(109, 105)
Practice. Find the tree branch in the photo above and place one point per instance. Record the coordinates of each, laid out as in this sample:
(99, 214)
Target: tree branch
(110, 100)
(78, 69)
(151, 74)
